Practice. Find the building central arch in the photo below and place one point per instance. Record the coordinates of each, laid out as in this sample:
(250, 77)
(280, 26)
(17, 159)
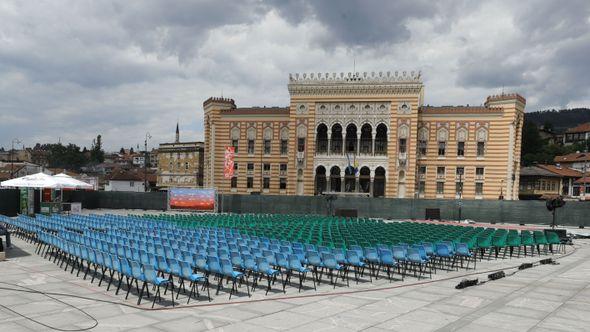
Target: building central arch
(351, 139)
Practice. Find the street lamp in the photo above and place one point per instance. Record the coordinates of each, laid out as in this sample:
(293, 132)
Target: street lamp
(17, 141)
(145, 158)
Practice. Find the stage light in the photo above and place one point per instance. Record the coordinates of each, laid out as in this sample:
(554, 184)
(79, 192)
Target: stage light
(466, 283)
(496, 275)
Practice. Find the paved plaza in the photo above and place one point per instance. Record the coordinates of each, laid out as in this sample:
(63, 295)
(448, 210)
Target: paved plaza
(546, 297)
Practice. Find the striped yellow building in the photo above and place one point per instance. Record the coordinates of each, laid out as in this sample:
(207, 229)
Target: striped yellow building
(366, 134)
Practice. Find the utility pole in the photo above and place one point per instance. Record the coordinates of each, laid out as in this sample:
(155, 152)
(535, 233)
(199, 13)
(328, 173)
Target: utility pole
(17, 141)
(145, 159)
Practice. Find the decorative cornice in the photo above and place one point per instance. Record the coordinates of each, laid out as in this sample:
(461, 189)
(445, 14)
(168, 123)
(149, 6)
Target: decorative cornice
(351, 78)
(355, 83)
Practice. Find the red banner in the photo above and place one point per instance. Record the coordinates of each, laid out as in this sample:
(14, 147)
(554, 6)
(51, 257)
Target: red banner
(228, 167)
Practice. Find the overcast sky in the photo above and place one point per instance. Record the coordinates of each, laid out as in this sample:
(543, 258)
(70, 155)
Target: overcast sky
(70, 70)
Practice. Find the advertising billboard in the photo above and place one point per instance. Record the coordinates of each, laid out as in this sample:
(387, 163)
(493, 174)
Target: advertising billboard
(228, 166)
(191, 199)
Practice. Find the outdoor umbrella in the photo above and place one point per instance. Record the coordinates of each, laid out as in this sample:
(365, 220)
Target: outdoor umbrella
(66, 181)
(39, 180)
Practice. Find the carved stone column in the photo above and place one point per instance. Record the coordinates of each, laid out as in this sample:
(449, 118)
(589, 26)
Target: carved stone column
(358, 143)
(329, 142)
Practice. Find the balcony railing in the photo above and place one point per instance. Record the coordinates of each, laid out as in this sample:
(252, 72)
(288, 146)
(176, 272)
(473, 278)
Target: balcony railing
(283, 173)
(440, 176)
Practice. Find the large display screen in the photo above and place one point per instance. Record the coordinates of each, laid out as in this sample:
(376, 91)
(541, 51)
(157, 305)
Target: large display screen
(191, 199)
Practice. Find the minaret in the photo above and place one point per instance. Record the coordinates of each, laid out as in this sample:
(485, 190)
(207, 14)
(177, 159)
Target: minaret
(177, 134)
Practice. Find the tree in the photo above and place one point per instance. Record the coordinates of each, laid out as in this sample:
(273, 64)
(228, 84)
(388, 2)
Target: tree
(122, 151)
(96, 152)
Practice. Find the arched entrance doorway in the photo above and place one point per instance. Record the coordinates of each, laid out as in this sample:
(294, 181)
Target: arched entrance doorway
(379, 182)
(320, 180)
(365, 179)
(335, 179)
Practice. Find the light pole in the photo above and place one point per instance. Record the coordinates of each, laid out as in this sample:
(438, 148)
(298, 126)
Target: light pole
(460, 193)
(17, 141)
(145, 158)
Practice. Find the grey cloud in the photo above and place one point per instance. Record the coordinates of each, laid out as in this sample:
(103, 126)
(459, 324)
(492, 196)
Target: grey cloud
(358, 23)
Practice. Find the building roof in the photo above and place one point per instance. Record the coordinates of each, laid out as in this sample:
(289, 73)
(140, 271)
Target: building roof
(572, 157)
(582, 128)
(274, 110)
(562, 171)
(133, 175)
(537, 171)
(125, 175)
(458, 109)
(585, 180)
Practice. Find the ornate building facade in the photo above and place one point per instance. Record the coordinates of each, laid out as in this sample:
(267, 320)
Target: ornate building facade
(366, 134)
(180, 164)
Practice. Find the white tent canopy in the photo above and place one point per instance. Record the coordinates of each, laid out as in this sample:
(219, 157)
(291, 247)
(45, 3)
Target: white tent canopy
(66, 181)
(39, 180)
(42, 180)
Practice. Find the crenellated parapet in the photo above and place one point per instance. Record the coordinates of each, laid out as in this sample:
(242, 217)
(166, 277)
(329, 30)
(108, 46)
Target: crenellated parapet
(357, 77)
(219, 100)
(505, 97)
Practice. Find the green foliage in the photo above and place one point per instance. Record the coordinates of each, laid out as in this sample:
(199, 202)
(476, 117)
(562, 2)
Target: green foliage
(70, 156)
(559, 120)
(96, 152)
(536, 150)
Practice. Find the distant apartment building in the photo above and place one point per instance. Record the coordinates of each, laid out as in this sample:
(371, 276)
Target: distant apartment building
(366, 134)
(180, 164)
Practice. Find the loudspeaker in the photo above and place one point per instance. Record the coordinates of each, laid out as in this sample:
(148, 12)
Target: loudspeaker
(466, 283)
(496, 275)
(432, 214)
(546, 261)
(351, 213)
(525, 266)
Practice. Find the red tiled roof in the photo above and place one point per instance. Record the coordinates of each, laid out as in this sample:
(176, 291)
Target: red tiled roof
(583, 180)
(583, 128)
(563, 171)
(572, 157)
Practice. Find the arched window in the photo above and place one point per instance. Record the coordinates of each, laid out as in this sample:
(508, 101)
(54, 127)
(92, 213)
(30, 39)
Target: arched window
(461, 139)
(442, 136)
(381, 139)
(422, 142)
(366, 139)
(284, 141)
(350, 144)
(235, 138)
(267, 140)
(482, 137)
(322, 138)
(336, 139)
(251, 139)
